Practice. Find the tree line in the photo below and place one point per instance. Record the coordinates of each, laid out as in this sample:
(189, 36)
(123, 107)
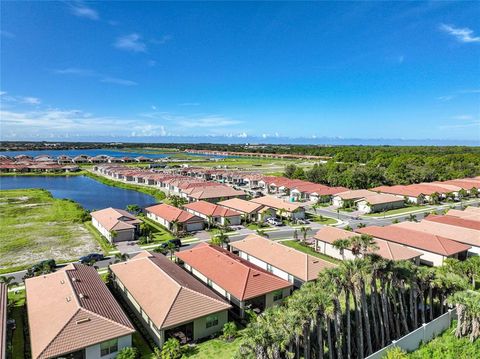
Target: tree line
(359, 307)
(401, 170)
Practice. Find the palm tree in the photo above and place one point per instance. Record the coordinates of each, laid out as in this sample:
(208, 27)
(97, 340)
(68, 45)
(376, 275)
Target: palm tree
(121, 257)
(8, 281)
(341, 245)
(171, 248)
(220, 239)
(175, 225)
(362, 244)
(209, 221)
(304, 231)
(133, 208)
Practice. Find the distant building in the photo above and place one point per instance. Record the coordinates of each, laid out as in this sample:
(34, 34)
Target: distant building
(72, 314)
(116, 224)
(170, 216)
(289, 209)
(326, 236)
(434, 248)
(285, 262)
(215, 213)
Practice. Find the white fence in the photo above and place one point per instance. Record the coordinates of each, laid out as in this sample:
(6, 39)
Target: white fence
(425, 333)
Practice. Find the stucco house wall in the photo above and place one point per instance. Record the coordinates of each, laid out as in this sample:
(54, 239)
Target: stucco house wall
(94, 352)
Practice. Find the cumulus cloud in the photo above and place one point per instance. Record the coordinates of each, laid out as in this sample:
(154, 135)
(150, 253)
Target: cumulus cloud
(79, 9)
(132, 42)
(461, 34)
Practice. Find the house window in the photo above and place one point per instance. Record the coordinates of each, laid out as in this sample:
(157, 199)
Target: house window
(269, 268)
(277, 295)
(212, 321)
(109, 347)
(209, 282)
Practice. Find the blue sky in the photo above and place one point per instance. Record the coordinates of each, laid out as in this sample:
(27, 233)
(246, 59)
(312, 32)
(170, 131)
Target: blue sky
(148, 71)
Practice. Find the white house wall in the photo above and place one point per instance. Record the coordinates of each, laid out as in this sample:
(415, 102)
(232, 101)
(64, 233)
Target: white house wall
(93, 352)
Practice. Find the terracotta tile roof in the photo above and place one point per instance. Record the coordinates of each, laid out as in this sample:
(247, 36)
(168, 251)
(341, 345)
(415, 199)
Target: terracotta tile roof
(78, 311)
(387, 250)
(413, 190)
(276, 203)
(381, 198)
(3, 320)
(211, 209)
(166, 292)
(292, 261)
(468, 236)
(416, 239)
(468, 185)
(115, 219)
(455, 221)
(355, 194)
(241, 205)
(219, 191)
(470, 215)
(237, 276)
(471, 209)
(171, 213)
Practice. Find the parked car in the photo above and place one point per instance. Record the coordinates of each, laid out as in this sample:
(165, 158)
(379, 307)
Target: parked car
(303, 221)
(176, 241)
(91, 257)
(274, 222)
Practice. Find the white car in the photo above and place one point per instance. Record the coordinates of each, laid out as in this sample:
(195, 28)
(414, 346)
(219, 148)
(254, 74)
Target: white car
(274, 222)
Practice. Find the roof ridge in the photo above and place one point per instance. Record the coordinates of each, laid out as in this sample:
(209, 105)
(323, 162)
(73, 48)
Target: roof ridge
(108, 319)
(60, 331)
(204, 295)
(389, 249)
(440, 240)
(246, 282)
(171, 306)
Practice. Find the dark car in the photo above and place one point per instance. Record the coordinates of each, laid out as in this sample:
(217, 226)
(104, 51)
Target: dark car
(176, 241)
(95, 257)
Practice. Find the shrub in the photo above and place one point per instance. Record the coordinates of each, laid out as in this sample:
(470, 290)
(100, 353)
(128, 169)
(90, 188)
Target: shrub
(396, 353)
(229, 331)
(171, 349)
(127, 353)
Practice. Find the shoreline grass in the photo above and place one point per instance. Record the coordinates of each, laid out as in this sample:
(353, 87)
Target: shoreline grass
(156, 193)
(35, 226)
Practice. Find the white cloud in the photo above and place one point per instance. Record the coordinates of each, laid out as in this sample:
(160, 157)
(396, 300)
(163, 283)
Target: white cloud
(461, 34)
(75, 71)
(242, 135)
(132, 42)
(445, 98)
(3, 93)
(118, 81)
(30, 100)
(81, 10)
(463, 117)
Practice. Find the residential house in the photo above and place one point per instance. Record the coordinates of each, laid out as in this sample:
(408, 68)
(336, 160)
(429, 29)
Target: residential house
(470, 215)
(348, 198)
(326, 236)
(379, 203)
(116, 224)
(455, 221)
(470, 237)
(435, 249)
(72, 314)
(174, 218)
(285, 262)
(249, 210)
(288, 209)
(213, 194)
(243, 283)
(167, 300)
(214, 213)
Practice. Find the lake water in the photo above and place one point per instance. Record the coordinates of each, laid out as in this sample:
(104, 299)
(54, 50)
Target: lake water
(96, 152)
(89, 193)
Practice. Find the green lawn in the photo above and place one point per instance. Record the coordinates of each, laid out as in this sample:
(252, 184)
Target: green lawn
(255, 226)
(18, 313)
(214, 348)
(34, 226)
(396, 211)
(297, 245)
(321, 219)
(159, 233)
(447, 346)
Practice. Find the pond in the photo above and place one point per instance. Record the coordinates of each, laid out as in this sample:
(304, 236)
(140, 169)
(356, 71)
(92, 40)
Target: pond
(89, 193)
